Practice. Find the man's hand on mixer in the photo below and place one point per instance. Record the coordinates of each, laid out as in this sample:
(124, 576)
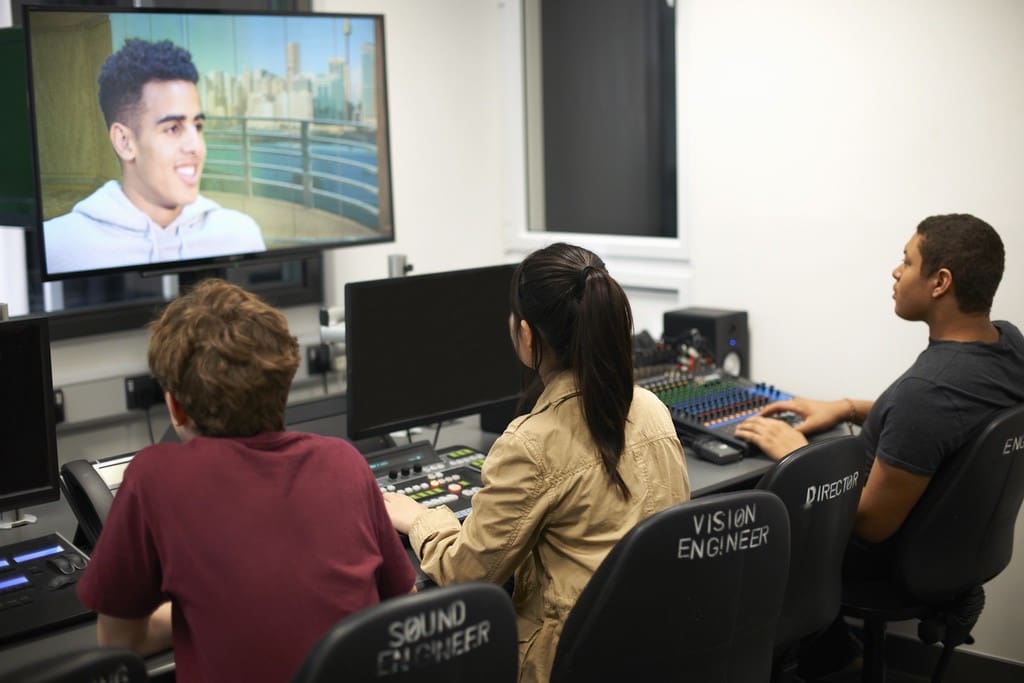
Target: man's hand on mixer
(818, 416)
(776, 438)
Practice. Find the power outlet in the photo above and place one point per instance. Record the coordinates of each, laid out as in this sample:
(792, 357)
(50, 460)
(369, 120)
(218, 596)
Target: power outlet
(141, 392)
(318, 359)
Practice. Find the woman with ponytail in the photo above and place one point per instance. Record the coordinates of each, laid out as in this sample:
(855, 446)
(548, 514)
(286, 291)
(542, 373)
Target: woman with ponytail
(594, 456)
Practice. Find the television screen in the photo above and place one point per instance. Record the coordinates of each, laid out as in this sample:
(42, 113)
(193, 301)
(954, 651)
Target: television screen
(172, 139)
(427, 348)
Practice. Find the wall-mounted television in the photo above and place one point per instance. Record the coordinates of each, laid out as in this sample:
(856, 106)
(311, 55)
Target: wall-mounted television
(172, 140)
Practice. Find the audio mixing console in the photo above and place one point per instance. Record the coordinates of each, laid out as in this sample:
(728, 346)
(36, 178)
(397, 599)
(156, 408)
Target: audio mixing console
(713, 403)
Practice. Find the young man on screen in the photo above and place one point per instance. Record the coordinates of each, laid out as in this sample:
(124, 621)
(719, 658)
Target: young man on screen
(148, 94)
(244, 543)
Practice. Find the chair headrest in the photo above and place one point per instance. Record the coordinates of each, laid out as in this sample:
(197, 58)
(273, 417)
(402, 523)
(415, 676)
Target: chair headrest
(92, 664)
(971, 504)
(466, 629)
(691, 591)
(820, 485)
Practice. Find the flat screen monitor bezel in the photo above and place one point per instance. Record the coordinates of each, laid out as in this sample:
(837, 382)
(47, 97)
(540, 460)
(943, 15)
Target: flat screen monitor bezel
(352, 355)
(49, 491)
(226, 260)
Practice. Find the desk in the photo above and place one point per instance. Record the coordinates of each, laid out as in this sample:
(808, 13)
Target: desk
(325, 416)
(57, 516)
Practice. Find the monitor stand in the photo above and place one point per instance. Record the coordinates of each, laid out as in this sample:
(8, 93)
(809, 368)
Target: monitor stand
(15, 518)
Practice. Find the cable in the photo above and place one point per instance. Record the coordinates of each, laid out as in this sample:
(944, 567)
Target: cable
(437, 433)
(149, 425)
(324, 375)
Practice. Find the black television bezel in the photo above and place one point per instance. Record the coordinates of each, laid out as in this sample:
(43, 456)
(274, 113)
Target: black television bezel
(360, 431)
(50, 491)
(227, 260)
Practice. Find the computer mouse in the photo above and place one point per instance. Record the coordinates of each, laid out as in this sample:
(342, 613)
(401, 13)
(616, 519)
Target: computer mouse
(77, 561)
(61, 581)
(715, 451)
(789, 417)
(61, 564)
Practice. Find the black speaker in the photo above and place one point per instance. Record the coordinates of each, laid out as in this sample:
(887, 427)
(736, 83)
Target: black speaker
(724, 333)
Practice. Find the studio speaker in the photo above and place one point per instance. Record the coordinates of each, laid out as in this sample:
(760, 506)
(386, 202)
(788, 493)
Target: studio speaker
(724, 333)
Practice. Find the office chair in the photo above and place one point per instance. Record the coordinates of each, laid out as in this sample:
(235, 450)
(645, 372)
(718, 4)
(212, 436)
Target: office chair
(457, 633)
(820, 486)
(93, 664)
(957, 537)
(691, 593)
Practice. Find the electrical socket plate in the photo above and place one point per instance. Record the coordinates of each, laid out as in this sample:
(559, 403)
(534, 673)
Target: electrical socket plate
(318, 359)
(141, 392)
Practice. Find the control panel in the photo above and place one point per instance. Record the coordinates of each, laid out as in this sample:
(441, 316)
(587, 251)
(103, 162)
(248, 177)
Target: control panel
(37, 580)
(449, 477)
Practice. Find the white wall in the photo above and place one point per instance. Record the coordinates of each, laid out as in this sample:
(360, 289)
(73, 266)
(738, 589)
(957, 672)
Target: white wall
(816, 136)
(13, 275)
(443, 96)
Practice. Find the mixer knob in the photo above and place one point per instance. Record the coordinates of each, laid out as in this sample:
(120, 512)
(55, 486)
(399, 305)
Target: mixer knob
(417, 468)
(405, 471)
(392, 474)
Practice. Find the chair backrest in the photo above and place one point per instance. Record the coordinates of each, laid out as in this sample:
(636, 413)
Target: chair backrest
(462, 632)
(820, 486)
(692, 592)
(960, 534)
(93, 664)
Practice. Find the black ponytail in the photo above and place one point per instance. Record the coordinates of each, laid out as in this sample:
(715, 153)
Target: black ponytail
(565, 294)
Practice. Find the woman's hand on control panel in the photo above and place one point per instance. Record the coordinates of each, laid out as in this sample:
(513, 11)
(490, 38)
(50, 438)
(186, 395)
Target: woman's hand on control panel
(403, 511)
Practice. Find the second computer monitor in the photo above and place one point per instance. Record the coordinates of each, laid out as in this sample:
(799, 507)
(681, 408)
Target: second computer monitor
(426, 348)
(28, 442)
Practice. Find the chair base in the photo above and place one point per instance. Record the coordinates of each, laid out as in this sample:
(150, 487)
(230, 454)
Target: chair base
(949, 622)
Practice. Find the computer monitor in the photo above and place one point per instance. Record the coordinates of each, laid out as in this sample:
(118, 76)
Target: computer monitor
(423, 349)
(28, 442)
(212, 136)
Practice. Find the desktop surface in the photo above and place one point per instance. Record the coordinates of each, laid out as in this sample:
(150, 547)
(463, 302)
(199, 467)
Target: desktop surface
(64, 635)
(324, 416)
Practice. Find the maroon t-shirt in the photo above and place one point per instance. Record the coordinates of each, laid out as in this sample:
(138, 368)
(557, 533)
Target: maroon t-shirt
(261, 544)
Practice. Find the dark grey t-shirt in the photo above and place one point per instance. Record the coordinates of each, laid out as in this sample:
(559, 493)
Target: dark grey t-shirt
(950, 392)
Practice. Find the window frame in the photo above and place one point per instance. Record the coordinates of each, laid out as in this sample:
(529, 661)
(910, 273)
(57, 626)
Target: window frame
(519, 239)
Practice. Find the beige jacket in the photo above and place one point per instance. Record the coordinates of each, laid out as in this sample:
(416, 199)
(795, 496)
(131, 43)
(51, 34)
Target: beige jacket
(549, 512)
